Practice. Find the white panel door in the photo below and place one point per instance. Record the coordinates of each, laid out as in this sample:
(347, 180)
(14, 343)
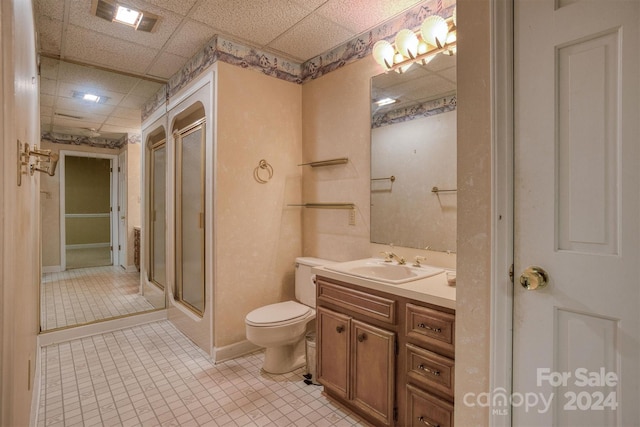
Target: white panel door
(577, 213)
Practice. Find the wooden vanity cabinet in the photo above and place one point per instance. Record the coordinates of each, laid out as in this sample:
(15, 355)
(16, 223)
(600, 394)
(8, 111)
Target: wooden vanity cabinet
(393, 370)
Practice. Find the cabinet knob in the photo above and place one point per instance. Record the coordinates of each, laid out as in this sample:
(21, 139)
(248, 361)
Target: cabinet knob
(339, 329)
(423, 326)
(427, 423)
(362, 337)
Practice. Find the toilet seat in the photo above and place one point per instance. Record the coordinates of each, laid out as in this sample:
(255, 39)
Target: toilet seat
(278, 314)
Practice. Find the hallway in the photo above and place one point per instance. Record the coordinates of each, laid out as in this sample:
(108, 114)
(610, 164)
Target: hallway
(153, 375)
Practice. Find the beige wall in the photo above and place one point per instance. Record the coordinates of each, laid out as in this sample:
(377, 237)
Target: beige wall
(336, 124)
(19, 225)
(473, 317)
(257, 235)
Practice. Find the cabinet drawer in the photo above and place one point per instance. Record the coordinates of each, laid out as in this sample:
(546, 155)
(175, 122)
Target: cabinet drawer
(424, 409)
(372, 306)
(430, 371)
(431, 328)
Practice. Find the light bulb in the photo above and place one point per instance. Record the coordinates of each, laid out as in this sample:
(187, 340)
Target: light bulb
(383, 53)
(407, 43)
(434, 30)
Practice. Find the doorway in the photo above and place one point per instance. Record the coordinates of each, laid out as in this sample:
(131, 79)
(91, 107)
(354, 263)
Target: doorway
(88, 228)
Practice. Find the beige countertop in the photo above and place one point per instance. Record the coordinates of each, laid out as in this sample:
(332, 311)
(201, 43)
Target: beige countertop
(432, 290)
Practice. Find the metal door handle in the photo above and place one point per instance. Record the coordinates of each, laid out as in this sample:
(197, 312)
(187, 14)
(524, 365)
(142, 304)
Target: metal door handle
(534, 278)
(362, 337)
(339, 329)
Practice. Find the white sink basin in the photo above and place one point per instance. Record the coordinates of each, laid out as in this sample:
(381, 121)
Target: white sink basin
(377, 269)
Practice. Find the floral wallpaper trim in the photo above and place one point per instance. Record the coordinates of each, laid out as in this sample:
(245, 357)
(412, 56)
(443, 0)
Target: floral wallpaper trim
(425, 109)
(235, 53)
(110, 143)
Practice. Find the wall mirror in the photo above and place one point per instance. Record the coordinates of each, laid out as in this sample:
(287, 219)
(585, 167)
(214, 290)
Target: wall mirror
(90, 209)
(413, 156)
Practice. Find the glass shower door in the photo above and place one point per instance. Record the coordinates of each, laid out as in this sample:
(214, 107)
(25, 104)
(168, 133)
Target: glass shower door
(158, 214)
(190, 216)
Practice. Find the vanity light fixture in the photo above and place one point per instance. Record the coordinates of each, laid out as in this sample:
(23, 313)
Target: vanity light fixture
(437, 35)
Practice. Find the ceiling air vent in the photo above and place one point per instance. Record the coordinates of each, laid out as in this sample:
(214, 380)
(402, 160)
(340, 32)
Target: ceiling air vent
(108, 10)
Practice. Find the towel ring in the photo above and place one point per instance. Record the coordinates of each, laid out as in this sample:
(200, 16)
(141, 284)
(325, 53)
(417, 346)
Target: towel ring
(263, 165)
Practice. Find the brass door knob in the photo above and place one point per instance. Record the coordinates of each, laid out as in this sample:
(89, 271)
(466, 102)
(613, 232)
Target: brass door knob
(534, 278)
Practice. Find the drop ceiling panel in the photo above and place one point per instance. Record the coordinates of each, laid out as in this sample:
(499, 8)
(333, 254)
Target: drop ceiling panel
(49, 68)
(46, 100)
(65, 91)
(145, 88)
(50, 8)
(166, 65)
(181, 7)
(82, 17)
(92, 47)
(93, 78)
(189, 38)
(133, 101)
(359, 16)
(124, 112)
(257, 22)
(50, 35)
(64, 122)
(301, 41)
(48, 86)
(119, 129)
(123, 122)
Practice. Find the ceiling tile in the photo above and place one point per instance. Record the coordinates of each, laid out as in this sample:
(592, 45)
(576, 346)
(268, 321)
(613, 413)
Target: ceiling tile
(302, 40)
(101, 80)
(146, 88)
(65, 91)
(119, 129)
(82, 17)
(181, 7)
(49, 68)
(46, 111)
(50, 8)
(361, 15)
(310, 5)
(124, 112)
(91, 47)
(64, 122)
(166, 65)
(49, 35)
(46, 100)
(257, 22)
(133, 101)
(189, 39)
(130, 122)
(48, 86)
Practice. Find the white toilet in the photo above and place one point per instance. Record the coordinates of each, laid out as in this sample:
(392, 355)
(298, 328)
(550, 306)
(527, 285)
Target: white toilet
(281, 327)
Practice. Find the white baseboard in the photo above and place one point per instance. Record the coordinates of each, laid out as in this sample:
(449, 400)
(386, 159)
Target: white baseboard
(131, 269)
(220, 354)
(52, 269)
(35, 393)
(53, 337)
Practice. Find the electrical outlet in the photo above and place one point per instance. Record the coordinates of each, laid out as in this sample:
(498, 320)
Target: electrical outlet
(352, 217)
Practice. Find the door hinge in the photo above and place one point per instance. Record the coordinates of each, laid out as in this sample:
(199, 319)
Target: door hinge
(110, 169)
(511, 273)
(118, 247)
(395, 414)
(118, 168)
(111, 248)
(397, 347)
(118, 208)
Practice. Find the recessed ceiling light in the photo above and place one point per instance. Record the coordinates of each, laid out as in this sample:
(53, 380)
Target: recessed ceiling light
(385, 101)
(128, 16)
(91, 97)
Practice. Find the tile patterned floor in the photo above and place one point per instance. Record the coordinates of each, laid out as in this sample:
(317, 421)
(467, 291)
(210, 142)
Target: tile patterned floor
(152, 375)
(83, 295)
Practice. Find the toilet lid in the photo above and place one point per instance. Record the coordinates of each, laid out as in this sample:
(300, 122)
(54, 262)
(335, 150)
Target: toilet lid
(279, 312)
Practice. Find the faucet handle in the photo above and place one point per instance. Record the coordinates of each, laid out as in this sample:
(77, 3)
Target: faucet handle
(417, 260)
(387, 256)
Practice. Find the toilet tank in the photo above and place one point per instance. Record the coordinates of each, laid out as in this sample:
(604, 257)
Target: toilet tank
(305, 287)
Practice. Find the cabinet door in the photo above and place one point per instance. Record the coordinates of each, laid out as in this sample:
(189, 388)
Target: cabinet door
(373, 373)
(332, 350)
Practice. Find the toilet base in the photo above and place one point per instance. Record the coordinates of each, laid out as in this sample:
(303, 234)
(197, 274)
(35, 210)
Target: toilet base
(285, 358)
